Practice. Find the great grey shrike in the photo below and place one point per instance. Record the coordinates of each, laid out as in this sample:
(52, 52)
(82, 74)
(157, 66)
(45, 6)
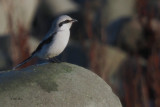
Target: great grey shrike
(55, 41)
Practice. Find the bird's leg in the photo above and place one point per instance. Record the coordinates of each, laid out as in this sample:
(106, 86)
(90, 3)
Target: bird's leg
(54, 60)
(51, 60)
(57, 60)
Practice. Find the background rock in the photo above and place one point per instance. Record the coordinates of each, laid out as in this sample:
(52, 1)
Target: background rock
(16, 13)
(115, 9)
(58, 85)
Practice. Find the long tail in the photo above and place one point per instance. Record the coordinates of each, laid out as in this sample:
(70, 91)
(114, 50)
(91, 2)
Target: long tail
(25, 61)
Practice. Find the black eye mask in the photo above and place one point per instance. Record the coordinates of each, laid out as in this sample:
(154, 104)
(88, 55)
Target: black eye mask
(64, 22)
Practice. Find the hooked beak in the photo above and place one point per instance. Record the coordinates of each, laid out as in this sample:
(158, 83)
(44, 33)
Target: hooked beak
(74, 20)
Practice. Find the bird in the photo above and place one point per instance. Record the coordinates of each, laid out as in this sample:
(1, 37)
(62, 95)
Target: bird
(54, 42)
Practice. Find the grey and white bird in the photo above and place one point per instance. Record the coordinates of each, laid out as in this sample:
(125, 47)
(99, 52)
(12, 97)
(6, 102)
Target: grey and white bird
(55, 41)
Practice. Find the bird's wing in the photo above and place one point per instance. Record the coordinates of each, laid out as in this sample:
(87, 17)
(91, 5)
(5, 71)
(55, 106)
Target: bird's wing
(45, 41)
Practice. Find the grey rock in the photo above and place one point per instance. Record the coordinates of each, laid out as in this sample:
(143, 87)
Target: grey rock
(55, 85)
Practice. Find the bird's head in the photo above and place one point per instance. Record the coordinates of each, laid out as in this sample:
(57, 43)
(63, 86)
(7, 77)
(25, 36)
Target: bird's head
(64, 22)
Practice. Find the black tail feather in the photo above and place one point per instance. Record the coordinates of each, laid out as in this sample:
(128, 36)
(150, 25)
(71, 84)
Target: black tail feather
(25, 61)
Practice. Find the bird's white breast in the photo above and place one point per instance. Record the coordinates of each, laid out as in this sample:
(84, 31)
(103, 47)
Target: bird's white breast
(59, 43)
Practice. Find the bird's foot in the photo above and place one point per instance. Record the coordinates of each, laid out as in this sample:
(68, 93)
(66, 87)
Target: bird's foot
(54, 60)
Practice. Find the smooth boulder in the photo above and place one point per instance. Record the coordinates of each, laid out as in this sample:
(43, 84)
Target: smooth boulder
(55, 85)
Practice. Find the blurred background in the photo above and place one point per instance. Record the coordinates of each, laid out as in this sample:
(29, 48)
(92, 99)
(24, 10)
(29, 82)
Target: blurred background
(117, 39)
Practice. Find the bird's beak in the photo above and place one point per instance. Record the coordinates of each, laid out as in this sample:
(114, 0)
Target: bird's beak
(74, 20)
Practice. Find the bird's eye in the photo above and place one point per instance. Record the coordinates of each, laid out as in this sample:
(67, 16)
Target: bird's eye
(64, 22)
